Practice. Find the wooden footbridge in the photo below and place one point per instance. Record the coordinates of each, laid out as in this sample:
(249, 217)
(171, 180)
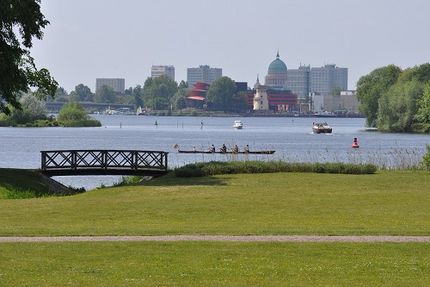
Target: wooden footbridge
(103, 162)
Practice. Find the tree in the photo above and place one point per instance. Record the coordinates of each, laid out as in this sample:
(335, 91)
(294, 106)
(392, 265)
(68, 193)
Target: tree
(72, 112)
(222, 95)
(84, 93)
(371, 87)
(32, 109)
(105, 95)
(423, 113)
(18, 71)
(158, 92)
(398, 106)
(61, 95)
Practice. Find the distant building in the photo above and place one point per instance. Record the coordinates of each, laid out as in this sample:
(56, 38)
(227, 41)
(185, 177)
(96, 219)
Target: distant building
(328, 79)
(276, 74)
(298, 81)
(261, 100)
(117, 84)
(158, 71)
(203, 74)
(241, 86)
(346, 103)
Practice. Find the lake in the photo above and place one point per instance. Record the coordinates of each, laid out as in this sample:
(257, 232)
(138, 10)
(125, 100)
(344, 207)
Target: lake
(291, 138)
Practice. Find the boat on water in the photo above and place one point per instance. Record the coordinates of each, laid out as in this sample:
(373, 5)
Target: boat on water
(238, 124)
(228, 152)
(321, 128)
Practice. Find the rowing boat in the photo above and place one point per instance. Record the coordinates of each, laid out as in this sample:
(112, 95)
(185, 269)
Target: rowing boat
(228, 152)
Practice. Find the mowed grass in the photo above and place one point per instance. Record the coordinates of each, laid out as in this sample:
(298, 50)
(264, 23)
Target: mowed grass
(386, 203)
(214, 264)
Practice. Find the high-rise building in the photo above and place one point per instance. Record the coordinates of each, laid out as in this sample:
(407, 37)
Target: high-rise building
(117, 84)
(328, 79)
(298, 81)
(203, 74)
(160, 70)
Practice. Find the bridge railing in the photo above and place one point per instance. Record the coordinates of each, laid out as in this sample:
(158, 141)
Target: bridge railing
(103, 159)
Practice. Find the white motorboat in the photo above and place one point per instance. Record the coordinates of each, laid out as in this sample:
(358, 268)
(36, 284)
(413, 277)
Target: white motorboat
(238, 124)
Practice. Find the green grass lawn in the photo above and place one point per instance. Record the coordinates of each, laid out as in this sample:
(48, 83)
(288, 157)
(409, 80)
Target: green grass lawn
(389, 203)
(214, 264)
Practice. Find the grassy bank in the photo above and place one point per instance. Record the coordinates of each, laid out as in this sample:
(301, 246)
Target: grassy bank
(214, 264)
(389, 202)
(26, 183)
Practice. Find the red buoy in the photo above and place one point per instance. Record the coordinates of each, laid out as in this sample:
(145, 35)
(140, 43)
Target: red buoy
(355, 143)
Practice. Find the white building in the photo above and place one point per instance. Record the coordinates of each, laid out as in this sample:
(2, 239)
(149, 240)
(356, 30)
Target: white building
(261, 100)
(117, 84)
(326, 80)
(203, 74)
(160, 70)
(346, 102)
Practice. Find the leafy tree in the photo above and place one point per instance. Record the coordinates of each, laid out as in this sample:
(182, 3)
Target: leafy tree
(179, 100)
(20, 22)
(61, 95)
(32, 109)
(105, 95)
(84, 93)
(72, 112)
(398, 106)
(423, 113)
(419, 73)
(222, 96)
(158, 92)
(371, 87)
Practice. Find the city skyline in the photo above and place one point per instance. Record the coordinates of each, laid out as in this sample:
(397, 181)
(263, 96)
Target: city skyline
(124, 39)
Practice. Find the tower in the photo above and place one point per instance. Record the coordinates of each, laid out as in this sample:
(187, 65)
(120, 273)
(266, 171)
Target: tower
(261, 101)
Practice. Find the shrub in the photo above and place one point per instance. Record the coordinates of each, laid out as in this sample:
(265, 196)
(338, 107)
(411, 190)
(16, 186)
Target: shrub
(215, 167)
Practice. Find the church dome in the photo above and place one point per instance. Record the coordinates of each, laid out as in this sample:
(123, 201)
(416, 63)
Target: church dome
(277, 66)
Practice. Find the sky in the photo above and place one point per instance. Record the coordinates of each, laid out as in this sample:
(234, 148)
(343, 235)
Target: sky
(89, 39)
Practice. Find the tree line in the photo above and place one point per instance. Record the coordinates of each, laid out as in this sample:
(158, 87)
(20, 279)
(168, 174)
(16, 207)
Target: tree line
(396, 100)
(160, 93)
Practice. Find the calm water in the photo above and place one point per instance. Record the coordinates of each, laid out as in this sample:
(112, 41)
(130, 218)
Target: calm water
(292, 139)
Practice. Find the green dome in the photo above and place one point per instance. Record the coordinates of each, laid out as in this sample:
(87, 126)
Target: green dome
(277, 66)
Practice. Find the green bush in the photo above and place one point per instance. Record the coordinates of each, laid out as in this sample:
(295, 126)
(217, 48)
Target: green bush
(215, 167)
(74, 115)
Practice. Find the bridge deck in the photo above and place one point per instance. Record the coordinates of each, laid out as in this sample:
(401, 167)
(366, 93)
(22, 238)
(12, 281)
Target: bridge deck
(103, 162)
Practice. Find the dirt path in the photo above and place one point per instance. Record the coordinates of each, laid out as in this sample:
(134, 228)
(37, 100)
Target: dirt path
(226, 238)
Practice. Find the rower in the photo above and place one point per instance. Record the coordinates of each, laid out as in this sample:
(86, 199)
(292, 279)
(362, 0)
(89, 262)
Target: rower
(246, 149)
(235, 149)
(212, 148)
(223, 149)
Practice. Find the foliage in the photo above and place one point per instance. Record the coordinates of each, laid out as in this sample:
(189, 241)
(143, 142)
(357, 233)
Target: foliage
(395, 100)
(20, 22)
(213, 168)
(105, 94)
(222, 96)
(61, 95)
(179, 99)
(32, 109)
(371, 87)
(74, 115)
(423, 113)
(398, 106)
(81, 93)
(426, 159)
(158, 92)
